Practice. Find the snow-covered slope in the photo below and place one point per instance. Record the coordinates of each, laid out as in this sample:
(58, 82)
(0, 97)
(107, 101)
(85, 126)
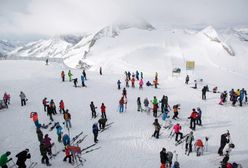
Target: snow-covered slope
(6, 47)
(128, 142)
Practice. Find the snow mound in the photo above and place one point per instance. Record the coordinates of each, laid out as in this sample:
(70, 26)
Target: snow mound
(5, 47)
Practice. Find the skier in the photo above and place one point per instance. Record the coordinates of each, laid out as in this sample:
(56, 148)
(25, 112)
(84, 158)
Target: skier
(241, 97)
(187, 79)
(146, 104)
(195, 82)
(39, 134)
(177, 127)
(124, 92)
(169, 158)
(67, 118)
(103, 110)
(129, 75)
(95, 132)
(50, 112)
(84, 74)
(59, 131)
(53, 107)
(133, 82)
(23, 98)
(100, 70)
(43, 151)
(66, 139)
(141, 75)
(199, 147)
(139, 104)
(48, 144)
(188, 146)
(62, 76)
(141, 84)
(34, 116)
(156, 76)
(45, 103)
(119, 84)
(4, 159)
(157, 128)
(225, 138)
(93, 110)
(127, 82)
(137, 75)
(121, 104)
(6, 99)
(155, 106)
(102, 122)
(70, 75)
(193, 117)
(22, 157)
(163, 158)
(67, 154)
(61, 106)
(164, 102)
(204, 90)
(82, 80)
(155, 82)
(75, 81)
(176, 109)
(198, 119)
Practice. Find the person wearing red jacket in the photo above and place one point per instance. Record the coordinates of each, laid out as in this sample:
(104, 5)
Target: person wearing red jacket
(199, 147)
(61, 106)
(34, 116)
(103, 110)
(67, 154)
(177, 129)
(132, 81)
(63, 76)
(193, 117)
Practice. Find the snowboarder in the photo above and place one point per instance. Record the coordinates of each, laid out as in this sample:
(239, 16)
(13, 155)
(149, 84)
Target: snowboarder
(225, 138)
(67, 154)
(39, 134)
(48, 144)
(187, 79)
(43, 151)
(141, 84)
(61, 106)
(163, 158)
(45, 104)
(188, 146)
(124, 92)
(199, 147)
(102, 122)
(59, 131)
(70, 75)
(176, 109)
(22, 157)
(119, 84)
(199, 116)
(139, 105)
(146, 104)
(204, 91)
(177, 127)
(100, 70)
(103, 110)
(193, 117)
(121, 104)
(23, 98)
(84, 74)
(62, 76)
(157, 128)
(95, 132)
(93, 110)
(75, 81)
(82, 80)
(4, 159)
(155, 106)
(67, 118)
(66, 139)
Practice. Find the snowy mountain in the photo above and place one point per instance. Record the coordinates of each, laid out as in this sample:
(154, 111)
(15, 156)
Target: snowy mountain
(6, 47)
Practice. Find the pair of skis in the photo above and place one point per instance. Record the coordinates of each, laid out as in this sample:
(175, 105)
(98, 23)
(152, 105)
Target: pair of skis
(181, 140)
(107, 126)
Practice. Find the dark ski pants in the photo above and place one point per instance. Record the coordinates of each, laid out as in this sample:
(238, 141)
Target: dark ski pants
(45, 107)
(192, 124)
(156, 134)
(51, 117)
(95, 137)
(63, 79)
(65, 158)
(199, 121)
(155, 113)
(181, 135)
(188, 148)
(102, 125)
(204, 96)
(83, 85)
(220, 151)
(93, 113)
(23, 102)
(44, 159)
(104, 114)
(175, 115)
(119, 87)
(4, 166)
(61, 110)
(59, 137)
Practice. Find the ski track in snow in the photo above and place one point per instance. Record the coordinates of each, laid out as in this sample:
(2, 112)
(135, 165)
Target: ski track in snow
(128, 142)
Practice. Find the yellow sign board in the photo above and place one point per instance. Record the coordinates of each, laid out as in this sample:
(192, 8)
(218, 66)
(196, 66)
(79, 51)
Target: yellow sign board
(190, 65)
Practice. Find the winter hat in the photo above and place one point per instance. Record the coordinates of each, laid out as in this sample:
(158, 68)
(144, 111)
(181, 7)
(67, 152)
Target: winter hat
(163, 149)
(27, 150)
(8, 153)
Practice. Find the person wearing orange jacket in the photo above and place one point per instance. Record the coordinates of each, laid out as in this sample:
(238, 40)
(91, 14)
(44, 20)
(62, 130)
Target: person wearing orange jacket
(34, 116)
(61, 106)
(194, 115)
(103, 110)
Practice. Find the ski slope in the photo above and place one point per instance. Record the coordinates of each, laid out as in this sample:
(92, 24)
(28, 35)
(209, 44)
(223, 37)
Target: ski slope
(128, 142)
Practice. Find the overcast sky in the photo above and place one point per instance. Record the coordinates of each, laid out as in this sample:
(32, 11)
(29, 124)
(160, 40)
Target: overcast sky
(50, 17)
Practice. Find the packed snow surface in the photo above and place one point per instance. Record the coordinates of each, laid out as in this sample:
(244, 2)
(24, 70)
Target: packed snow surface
(128, 143)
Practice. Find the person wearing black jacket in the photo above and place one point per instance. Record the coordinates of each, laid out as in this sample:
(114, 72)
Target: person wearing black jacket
(39, 134)
(22, 157)
(163, 156)
(102, 122)
(93, 110)
(225, 138)
(43, 151)
(204, 91)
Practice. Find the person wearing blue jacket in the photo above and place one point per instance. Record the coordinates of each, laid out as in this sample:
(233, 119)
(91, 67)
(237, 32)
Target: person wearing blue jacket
(241, 97)
(59, 132)
(82, 80)
(66, 139)
(95, 132)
